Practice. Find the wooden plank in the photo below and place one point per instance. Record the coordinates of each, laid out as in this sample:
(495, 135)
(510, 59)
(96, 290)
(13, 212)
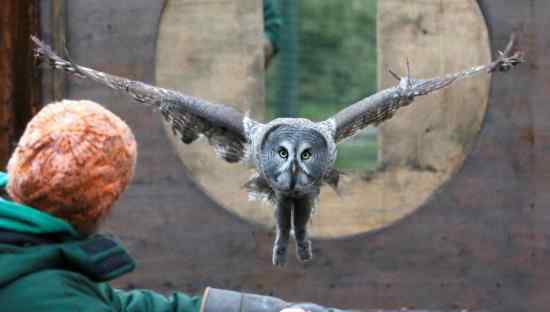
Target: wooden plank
(58, 22)
(54, 31)
(221, 62)
(437, 130)
(7, 15)
(27, 78)
(20, 92)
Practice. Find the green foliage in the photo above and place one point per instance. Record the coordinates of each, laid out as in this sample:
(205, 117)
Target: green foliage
(361, 153)
(337, 67)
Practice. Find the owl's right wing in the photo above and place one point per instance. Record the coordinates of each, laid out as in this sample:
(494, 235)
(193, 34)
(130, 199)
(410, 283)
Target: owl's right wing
(383, 105)
(227, 129)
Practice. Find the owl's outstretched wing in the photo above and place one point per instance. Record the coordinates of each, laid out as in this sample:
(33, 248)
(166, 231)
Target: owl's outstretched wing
(226, 128)
(383, 105)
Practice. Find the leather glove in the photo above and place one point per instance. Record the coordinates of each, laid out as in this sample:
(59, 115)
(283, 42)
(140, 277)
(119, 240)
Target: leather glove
(221, 300)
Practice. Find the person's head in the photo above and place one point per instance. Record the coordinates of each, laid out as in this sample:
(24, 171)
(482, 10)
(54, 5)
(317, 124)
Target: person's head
(73, 161)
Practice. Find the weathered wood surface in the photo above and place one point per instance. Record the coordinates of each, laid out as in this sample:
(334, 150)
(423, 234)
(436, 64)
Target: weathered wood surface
(54, 24)
(221, 62)
(20, 86)
(437, 38)
(6, 80)
(480, 242)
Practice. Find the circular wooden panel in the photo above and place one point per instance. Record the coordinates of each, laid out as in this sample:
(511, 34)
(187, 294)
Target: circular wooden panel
(420, 148)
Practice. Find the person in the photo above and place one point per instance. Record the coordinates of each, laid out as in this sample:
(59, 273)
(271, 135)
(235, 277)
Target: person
(73, 161)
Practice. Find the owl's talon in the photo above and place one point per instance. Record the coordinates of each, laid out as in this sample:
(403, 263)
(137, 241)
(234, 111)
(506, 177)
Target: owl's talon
(303, 251)
(279, 256)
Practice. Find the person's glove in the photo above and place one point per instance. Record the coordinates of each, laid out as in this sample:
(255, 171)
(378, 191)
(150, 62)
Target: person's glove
(216, 300)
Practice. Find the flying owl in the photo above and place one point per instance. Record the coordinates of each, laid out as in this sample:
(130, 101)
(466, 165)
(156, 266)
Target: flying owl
(293, 157)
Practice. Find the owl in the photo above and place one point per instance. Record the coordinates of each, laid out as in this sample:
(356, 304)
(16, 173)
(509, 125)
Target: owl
(293, 157)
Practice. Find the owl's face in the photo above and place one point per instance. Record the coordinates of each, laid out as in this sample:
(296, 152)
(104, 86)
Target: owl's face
(293, 159)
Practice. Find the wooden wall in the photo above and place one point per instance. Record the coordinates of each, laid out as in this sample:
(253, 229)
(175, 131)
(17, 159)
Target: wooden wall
(20, 84)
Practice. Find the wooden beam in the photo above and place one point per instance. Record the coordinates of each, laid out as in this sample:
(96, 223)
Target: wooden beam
(20, 92)
(58, 26)
(7, 25)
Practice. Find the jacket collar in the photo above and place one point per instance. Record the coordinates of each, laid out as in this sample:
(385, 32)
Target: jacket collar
(16, 217)
(99, 257)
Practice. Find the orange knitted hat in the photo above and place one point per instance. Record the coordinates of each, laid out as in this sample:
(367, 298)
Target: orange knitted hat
(73, 161)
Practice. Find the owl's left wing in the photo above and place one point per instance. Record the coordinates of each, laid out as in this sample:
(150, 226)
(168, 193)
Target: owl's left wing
(383, 105)
(227, 129)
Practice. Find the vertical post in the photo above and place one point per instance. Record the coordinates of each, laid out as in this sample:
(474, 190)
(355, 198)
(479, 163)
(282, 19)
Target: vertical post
(6, 59)
(20, 91)
(58, 22)
(53, 19)
(288, 69)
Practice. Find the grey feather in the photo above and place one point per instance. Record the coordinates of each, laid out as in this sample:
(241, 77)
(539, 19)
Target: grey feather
(384, 104)
(189, 117)
(258, 188)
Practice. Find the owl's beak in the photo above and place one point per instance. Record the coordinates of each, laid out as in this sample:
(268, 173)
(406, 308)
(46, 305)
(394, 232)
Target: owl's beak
(293, 174)
(294, 168)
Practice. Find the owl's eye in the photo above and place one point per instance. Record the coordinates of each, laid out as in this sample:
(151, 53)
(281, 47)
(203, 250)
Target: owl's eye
(283, 153)
(306, 155)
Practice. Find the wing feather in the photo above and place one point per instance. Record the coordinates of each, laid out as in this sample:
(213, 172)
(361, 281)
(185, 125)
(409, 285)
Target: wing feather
(384, 104)
(188, 116)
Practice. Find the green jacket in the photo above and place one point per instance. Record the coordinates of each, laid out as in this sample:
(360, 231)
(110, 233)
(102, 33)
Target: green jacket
(45, 265)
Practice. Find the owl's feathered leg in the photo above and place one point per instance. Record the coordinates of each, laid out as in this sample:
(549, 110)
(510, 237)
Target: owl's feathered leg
(283, 215)
(302, 212)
